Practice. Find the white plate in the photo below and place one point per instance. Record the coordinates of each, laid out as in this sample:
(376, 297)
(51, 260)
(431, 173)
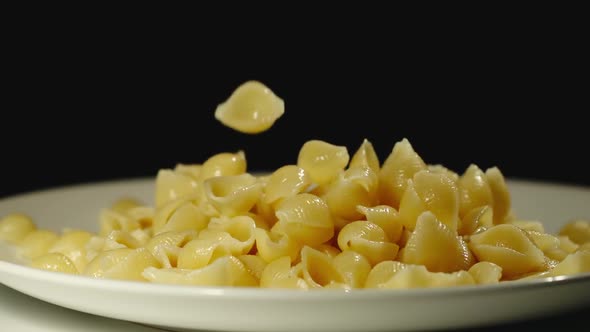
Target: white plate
(283, 310)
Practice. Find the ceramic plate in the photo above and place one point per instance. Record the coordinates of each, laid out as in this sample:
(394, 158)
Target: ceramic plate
(232, 309)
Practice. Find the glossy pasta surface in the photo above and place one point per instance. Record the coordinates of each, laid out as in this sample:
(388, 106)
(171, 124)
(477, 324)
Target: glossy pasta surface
(337, 219)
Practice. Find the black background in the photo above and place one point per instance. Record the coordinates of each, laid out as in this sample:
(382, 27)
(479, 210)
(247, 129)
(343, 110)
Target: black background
(91, 105)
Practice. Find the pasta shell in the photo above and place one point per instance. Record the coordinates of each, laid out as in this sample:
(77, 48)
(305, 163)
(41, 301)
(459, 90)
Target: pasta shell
(223, 164)
(399, 167)
(436, 246)
(509, 247)
(306, 219)
(286, 181)
(252, 108)
(365, 156)
(322, 161)
(232, 195)
(500, 193)
(385, 217)
(474, 190)
(14, 227)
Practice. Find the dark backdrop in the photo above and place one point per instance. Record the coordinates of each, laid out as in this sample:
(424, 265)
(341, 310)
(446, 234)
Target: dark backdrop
(82, 108)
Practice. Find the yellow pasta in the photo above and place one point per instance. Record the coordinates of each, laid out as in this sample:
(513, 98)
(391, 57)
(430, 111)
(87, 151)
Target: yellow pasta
(72, 244)
(172, 185)
(578, 231)
(232, 195)
(365, 156)
(223, 164)
(37, 243)
(280, 274)
(353, 268)
(306, 219)
(14, 227)
(509, 247)
(165, 247)
(271, 246)
(485, 273)
(329, 221)
(355, 186)
(399, 167)
(474, 189)
(122, 263)
(226, 271)
(286, 181)
(252, 108)
(386, 217)
(322, 161)
(434, 192)
(55, 262)
(369, 240)
(436, 246)
(178, 215)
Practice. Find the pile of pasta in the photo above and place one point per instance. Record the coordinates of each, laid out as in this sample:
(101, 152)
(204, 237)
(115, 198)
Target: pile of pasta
(329, 221)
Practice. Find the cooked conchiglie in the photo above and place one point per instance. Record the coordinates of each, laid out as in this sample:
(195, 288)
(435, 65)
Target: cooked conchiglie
(417, 276)
(353, 267)
(232, 195)
(254, 264)
(318, 268)
(500, 193)
(123, 205)
(382, 272)
(440, 196)
(306, 219)
(286, 181)
(508, 246)
(577, 230)
(72, 244)
(485, 273)
(475, 219)
(567, 245)
(240, 228)
(271, 246)
(545, 242)
(400, 166)
(578, 262)
(410, 206)
(223, 164)
(180, 215)
(123, 263)
(355, 186)
(385, 217)
(226, 271)
(440, 169)
(115, 220)
(528, 225)
(165, 247)
(474, 190)
(37, 243)
(280, 274)
(436, 246)
(14, 227)
(367, 239)
(172, 185)
(365, 156)
(252, 108)
(120, 239)
(328, 249)
(199, 253)
(55, 262)
(191, 170)
(322, 161)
